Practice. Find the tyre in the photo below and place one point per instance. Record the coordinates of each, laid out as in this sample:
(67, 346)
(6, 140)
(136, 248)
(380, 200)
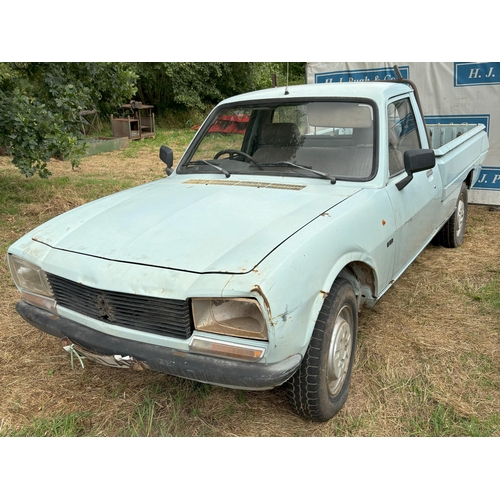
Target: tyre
(319, 388)
(452, 233)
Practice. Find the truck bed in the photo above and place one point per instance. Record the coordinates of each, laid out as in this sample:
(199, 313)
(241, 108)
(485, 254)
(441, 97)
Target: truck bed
(458, 148)
(449, 135)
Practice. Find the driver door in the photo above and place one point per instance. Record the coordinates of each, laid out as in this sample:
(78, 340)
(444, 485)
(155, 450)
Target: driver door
(413, 205)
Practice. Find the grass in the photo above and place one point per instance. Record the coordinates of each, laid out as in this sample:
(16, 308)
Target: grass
(427, 362)
(487, 294)
(175, 139)
(444, 422)
(144, 422)
(70, 425)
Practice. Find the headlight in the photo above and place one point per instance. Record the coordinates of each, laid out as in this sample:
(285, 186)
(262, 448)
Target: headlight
(234, 317)
(29, 277)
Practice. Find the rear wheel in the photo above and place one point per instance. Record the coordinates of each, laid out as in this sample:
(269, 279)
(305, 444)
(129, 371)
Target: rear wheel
(451, 235)
(319, 388)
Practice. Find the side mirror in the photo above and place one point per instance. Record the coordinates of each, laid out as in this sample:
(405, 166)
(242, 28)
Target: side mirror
(167, 157)
(416, 160)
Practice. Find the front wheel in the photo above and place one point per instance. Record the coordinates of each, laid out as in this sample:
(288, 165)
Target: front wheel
(451, 235)
(319, 388)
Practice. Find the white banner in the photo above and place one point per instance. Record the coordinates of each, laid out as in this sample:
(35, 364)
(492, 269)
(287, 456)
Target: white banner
(450, 93)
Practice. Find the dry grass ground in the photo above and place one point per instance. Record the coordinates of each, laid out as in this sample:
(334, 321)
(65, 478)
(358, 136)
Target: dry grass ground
(427, 364)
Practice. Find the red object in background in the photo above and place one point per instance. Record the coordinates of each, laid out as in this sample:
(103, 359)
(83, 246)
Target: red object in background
(230, 124)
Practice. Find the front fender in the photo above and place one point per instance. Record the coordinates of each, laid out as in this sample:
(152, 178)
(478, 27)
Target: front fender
(292, 282)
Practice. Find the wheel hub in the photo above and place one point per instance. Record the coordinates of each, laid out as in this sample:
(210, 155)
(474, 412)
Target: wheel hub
(460, 216)
(339, 354)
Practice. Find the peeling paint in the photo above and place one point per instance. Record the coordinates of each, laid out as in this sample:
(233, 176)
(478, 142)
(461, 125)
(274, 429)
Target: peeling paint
(224, 287)
(325, 294)
(180, 354)
(283, 316)
(258, 289)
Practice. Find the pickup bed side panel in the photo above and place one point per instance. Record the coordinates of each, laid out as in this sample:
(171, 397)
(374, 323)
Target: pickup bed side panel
(456, 159)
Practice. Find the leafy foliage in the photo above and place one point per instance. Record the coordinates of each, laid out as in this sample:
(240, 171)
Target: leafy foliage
(40, 106)
(40, 103)
(178, 85)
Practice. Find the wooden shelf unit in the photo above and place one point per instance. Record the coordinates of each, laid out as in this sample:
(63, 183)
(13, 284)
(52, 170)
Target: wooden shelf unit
(139, 125)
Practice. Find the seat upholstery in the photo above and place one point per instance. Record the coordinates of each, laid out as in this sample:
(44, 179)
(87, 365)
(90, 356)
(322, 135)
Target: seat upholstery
(283, 142)
(352, 162)
(277, 142)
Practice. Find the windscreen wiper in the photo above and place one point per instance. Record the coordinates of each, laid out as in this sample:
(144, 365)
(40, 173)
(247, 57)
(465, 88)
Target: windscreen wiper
(302, 167)
(206, 162)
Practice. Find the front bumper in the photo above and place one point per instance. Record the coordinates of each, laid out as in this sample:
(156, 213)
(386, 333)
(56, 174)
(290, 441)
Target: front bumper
(202, 368)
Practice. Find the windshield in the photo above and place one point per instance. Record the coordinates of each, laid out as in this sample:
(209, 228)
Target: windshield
(330, 139)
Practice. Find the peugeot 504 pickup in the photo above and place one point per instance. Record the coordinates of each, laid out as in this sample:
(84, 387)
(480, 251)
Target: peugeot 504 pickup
(247, 265)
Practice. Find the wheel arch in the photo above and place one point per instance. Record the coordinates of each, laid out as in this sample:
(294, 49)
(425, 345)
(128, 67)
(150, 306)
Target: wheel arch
(360, 271)
(356, 268)
(363, 279)
(468, 179)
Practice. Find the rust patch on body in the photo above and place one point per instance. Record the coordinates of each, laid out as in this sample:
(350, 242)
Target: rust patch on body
(258, 289)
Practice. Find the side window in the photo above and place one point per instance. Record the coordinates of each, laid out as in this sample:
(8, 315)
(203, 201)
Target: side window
(402, 133)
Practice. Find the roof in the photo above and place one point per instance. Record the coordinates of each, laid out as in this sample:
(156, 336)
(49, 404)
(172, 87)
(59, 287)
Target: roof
(369, 90)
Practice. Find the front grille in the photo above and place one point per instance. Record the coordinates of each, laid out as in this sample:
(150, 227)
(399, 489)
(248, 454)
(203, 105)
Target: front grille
(167, 317)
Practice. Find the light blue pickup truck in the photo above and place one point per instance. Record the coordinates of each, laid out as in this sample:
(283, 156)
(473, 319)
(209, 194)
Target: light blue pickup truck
(246, 267)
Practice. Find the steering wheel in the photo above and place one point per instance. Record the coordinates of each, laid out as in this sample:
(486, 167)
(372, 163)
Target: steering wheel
(234, 154)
